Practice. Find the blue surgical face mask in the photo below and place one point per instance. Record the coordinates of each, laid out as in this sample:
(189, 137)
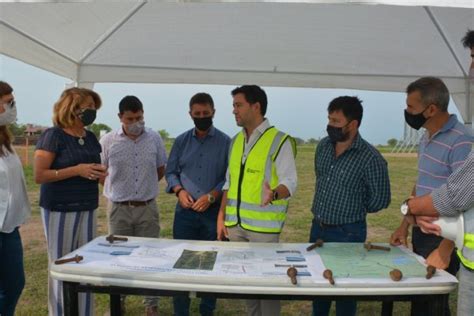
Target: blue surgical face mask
(9, 116)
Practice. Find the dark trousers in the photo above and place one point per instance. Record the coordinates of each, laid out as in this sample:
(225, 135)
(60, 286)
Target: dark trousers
(424, 244)
(354, 232)
(189, 224)
(12, 275)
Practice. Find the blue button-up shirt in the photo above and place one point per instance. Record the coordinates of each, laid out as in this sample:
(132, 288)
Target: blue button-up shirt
(198, 164)
(351, 185)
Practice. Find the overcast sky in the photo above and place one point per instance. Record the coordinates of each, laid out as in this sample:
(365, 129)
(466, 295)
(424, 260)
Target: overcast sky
(300, 112)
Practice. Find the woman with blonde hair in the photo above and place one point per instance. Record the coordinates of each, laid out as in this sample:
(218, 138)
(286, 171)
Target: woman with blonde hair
(67, 165)
(14, 208)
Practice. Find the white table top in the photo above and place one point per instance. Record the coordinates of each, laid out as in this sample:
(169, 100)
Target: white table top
(150, 265)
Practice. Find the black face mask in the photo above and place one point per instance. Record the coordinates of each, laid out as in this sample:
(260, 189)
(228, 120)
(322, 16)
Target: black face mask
(336, 134)
(202, 123)
(415, 121)
(87, 116)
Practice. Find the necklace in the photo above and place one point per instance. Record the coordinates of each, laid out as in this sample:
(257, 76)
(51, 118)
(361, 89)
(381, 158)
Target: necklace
(81, 140)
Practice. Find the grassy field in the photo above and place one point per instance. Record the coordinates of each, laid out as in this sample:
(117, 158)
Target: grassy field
(402, 174)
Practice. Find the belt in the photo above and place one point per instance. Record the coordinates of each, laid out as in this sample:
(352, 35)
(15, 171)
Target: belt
(321, 224)
(135, 203)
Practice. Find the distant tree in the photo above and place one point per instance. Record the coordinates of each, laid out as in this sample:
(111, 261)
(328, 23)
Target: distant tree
(17, 129)
(299, 141)
(312, 141)
(97, 127)
(392, 142)
(164, 134)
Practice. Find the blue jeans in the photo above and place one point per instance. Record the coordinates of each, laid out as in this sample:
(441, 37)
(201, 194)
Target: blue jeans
(354, 232)
(12, 275)
(189, 224)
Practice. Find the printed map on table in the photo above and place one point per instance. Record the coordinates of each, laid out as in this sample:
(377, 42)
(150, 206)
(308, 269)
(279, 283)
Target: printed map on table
(196, 260)
(353, 260)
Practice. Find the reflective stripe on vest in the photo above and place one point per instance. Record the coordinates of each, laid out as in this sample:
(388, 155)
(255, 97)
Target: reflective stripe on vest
(468, 248)
(245, 196)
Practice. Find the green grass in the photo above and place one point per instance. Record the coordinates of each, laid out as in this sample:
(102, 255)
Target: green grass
(402, 174)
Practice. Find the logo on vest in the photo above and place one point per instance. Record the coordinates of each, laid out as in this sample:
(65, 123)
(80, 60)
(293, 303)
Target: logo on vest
(253, 170)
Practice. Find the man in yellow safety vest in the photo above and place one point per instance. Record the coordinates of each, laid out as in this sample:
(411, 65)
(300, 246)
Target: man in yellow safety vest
(260, 179)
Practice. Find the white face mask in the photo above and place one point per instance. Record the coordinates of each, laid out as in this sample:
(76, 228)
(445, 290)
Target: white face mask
(9, 116)
(136, 128)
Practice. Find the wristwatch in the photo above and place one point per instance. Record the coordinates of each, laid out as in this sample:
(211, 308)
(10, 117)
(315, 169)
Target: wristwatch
(210, 198)
(404, 208)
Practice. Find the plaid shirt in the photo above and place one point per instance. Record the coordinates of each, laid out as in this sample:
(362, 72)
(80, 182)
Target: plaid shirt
(351, 185)
(457, 195)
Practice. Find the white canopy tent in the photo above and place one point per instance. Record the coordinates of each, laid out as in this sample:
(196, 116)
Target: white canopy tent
(370, 45)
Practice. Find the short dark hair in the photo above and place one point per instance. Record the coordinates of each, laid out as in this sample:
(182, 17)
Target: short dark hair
(201, 98)
(432, 91)
(468, 39)
(5, 88)
(351, 107)
(130, 103)
(253, 94)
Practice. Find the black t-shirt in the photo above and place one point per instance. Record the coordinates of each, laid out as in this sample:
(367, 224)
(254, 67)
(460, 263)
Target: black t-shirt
(76, 193)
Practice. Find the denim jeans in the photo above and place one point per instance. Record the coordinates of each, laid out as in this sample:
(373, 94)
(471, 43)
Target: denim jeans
(353, 232)
(12, 275)
(424, 244)
(189, 224)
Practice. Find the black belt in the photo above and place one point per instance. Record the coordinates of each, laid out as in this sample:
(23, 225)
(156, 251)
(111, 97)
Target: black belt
(321, 224)
(135, 203)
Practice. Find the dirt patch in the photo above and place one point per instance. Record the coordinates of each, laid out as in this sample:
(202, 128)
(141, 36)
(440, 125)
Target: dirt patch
(32, 235)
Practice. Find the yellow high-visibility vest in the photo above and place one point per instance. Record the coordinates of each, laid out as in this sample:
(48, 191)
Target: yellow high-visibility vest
(466, 255)
(244, 197)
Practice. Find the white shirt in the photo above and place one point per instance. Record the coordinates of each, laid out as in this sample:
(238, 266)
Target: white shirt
(132, 165)
(14, 205)
(284, 163)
